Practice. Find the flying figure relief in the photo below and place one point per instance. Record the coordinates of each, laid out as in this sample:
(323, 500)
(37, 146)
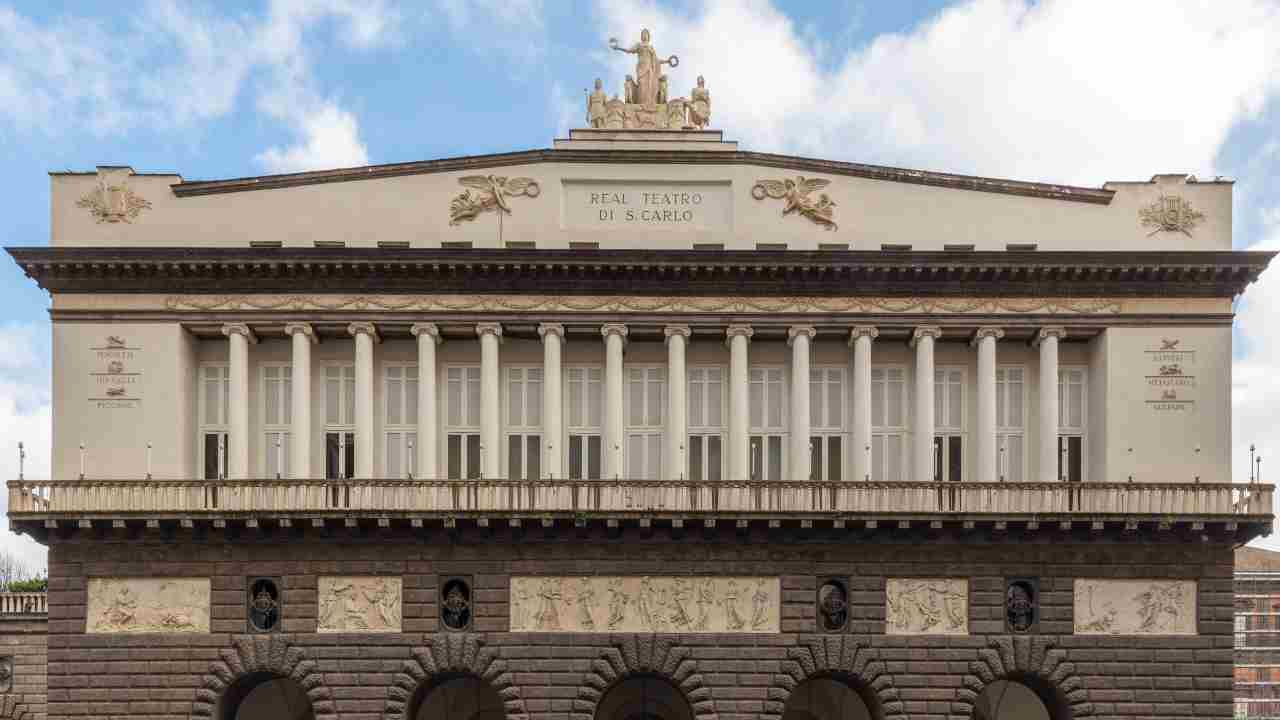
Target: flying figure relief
(797, 197)
(488, 192)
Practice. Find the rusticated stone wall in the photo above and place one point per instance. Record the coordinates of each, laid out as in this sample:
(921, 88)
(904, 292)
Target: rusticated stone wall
(560, 676)
(23, 640)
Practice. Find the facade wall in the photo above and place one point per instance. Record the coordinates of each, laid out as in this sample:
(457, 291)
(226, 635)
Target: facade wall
(24, 639)
(157, 676)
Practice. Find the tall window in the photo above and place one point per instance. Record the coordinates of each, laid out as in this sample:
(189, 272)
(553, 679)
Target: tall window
(524, 423)
(1010, 424)
(888, 423)
(826, 423)
(583, 402)
(1071, 424)
(705, 444)
(646, 405)
(215, 384)
(339, 422)
(400, 421)
(277, 404)
(948, 415)
(767, 401)
(462, 423)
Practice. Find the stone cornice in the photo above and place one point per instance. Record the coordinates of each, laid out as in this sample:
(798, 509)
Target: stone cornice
(606, 272)
(1002, 186)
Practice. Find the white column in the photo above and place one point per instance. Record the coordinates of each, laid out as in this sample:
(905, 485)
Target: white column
(615, 336)
(1047, 339)
(739, 338)
(922, 445)
(860, 338)
(365, 336)
(677, 407)
(799, 338)
(428, 427)
(988, 463)
(239, 337)
(303, 337)
(552, 399)
(490, 390)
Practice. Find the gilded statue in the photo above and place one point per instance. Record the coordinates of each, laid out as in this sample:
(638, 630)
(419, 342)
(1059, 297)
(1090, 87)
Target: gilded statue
(648, 67)
(700, 105)
(596, 106)
(797, 197)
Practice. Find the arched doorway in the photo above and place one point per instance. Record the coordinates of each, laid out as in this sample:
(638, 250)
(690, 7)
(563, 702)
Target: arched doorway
(644, 697)
(264, 696)
(1014, 700)
(458, 697)
(825, 698)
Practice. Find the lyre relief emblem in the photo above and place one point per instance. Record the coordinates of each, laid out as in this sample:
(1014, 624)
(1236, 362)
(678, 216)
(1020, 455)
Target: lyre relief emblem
(488, 192)
(112, 201)
(1170, 213)
(797, 197)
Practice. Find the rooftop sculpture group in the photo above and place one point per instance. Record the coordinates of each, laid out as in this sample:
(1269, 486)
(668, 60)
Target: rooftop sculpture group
(646, 104)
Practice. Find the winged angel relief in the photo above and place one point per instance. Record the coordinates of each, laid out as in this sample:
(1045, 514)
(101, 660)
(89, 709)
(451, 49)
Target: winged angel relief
(797, 196)
(488, 192)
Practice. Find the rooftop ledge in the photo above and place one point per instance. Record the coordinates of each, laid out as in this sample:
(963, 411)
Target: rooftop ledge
(1223, 510)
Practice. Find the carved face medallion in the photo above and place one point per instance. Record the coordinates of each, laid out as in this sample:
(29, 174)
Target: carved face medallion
(264, 605)
(1020, 605)
(455, 611)
(833, 606)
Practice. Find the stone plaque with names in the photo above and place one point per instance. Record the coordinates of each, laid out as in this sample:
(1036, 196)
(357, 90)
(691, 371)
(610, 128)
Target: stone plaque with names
(647, 205)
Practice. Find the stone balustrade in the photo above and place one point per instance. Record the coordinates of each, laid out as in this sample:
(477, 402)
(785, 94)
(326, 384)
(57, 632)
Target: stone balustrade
(23, 603)
(197, 498)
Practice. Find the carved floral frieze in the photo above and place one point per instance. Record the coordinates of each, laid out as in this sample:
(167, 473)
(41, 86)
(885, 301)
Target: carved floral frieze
(606, 604)
(926, 606)
(643, 303)
(488, 192)
(359, 604)
(1135, 607)
(797, 197)
(147, 605)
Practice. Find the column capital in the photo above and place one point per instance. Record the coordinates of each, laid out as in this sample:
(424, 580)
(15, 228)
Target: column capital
(545, 329)
(364, 328)
(988, 331)
(240, 329)
(1052, 331)
(858, 331)
(296, 328)
(618, 329)
(925, 331)
(735, 330)
(429, 329)
(671, 331)
(795, 331)
(489, 328)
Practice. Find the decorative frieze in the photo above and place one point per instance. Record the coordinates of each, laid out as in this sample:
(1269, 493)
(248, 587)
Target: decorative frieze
(147, 605)
(1170, 213)
(1135, 607)
(112, 200)
(606, 604)
(366, 604)
(926, 606)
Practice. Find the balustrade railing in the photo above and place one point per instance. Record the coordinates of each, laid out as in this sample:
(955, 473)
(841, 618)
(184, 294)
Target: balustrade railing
(23, 603)
(196, 497)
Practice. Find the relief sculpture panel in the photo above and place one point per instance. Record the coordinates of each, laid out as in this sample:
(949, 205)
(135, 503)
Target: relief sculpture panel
(605, 604)
(359, 604)
(1135, 607)
(926, 606)
(147, 605)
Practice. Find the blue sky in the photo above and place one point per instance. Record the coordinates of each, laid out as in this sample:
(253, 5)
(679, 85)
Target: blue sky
(1079, 91)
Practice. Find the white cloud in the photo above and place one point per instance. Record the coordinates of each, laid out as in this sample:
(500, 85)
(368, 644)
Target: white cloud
(331, 139)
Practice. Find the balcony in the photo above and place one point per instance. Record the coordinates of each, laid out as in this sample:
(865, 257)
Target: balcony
(17, 605)
(1229, 511)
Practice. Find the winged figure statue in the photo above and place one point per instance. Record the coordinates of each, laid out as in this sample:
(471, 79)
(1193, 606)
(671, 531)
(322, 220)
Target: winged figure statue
(797, 197)
(488, 192)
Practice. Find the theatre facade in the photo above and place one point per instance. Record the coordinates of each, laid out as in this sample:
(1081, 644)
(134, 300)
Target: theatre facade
(641, 426)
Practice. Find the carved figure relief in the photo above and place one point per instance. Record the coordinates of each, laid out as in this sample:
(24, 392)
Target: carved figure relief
(488, 192)
(926, 606)
(6, 674)
(455, 607)
(147, 605)
(1021, 605)
(645, 604)
(833, 606)
(359, 604)
(264, 605)
(1170, 213)
(642, 303)
(1135, 607)
(797, 198)
(112, 201)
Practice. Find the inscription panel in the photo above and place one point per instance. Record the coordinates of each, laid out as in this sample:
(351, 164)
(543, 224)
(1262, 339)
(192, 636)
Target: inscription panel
(647, 205)
(926, 606)
(1135, 607)
(147, 605)
(604, 604)
(359, 604)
